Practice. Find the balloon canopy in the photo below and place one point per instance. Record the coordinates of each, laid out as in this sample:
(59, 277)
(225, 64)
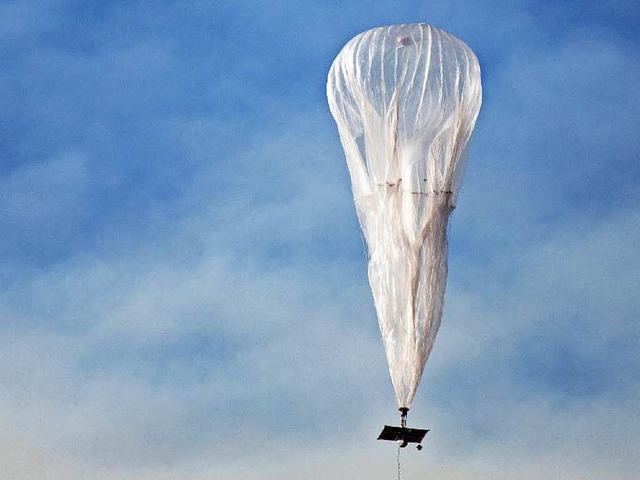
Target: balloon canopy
(405, 99)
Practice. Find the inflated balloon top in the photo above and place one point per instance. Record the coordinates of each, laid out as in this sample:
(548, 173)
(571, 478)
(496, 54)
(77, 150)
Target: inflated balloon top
(406, 99)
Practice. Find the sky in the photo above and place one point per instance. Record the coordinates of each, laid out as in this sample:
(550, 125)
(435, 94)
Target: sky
(183, 289)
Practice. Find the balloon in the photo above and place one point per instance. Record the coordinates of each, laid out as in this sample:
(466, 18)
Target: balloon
(405, 99)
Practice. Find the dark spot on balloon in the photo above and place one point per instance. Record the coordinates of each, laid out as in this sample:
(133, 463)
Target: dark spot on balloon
(405, 41)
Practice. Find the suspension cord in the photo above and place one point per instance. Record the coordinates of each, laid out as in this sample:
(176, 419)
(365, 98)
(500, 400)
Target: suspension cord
(403, 424)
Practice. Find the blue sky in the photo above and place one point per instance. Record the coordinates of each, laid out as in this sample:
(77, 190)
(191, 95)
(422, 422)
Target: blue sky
(183, 287)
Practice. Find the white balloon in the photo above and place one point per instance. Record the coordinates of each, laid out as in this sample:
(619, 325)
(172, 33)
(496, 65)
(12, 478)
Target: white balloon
(405, 99)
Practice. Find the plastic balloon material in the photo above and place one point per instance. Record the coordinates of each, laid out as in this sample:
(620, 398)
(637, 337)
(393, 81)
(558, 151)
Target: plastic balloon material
(405, 99)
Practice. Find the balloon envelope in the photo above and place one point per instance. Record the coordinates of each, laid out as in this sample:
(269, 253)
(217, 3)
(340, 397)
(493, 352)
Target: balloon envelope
(405, 99)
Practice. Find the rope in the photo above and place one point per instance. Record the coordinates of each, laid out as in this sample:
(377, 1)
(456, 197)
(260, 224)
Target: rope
(403, 424)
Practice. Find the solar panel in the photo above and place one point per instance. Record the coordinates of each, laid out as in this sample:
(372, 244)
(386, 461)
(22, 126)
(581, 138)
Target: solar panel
(409, 435)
